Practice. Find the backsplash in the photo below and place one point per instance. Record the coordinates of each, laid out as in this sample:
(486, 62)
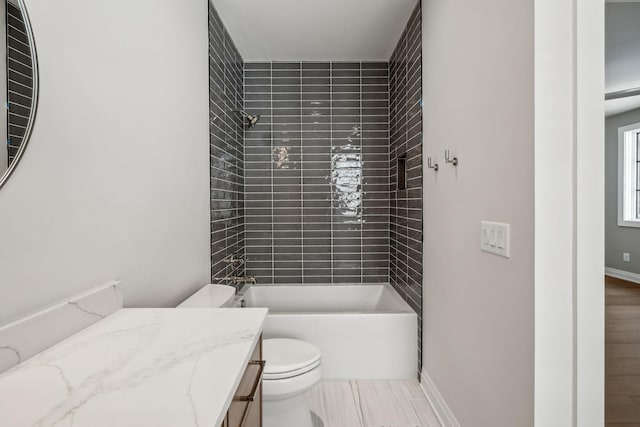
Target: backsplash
(317, 172)
(405, 79)
(226, 149)
(29, 335)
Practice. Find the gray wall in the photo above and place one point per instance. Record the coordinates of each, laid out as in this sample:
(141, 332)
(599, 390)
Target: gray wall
(622, 50)
(622, 53)
(618, 239)
(479, 102)
(114, 184)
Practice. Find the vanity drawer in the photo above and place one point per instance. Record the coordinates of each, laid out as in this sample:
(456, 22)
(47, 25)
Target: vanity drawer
(246, 407)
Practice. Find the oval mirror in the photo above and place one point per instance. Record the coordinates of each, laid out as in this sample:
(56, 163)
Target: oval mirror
(18, 84)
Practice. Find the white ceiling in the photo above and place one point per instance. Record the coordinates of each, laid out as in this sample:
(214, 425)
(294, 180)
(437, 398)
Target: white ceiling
(622, 53)
(315, 30)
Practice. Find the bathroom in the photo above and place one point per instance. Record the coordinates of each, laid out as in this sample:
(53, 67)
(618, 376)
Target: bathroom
(208, 190)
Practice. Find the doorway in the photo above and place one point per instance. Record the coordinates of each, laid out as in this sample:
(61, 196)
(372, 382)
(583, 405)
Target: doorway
(622, 213)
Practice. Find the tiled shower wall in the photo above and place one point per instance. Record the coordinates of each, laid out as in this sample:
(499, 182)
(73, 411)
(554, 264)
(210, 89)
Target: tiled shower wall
(405, 77)
(317, 172)
(310, 194)
(226, 94)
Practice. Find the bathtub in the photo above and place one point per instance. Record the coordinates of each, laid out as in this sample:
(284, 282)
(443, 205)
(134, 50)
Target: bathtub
(363, 331)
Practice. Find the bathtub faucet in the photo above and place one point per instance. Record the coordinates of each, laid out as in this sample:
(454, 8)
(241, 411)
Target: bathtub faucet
(237, 280)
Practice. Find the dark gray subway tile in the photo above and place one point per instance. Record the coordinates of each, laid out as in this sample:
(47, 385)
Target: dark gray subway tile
(316, 66)
(249, 73)
(284, 73)
(312, 107)
(405, 124)
(286, 65)
(345, 65)
(226, 150)
(257, 65)
(375, 65)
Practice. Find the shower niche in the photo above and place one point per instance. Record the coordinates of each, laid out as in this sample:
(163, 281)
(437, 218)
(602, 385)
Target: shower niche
(401, 168)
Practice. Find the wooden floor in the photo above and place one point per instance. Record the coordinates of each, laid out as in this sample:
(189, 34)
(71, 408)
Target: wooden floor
(622, 353)
(370, 404)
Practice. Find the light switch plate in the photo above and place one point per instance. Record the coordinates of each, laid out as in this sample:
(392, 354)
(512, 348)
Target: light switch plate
(495, 238)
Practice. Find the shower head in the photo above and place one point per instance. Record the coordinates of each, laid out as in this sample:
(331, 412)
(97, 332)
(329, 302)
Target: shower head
(250, 119)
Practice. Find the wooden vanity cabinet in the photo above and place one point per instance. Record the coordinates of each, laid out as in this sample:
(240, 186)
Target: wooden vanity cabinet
(246, 407)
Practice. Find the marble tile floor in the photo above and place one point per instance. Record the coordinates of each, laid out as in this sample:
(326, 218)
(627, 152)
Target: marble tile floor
(357, 403)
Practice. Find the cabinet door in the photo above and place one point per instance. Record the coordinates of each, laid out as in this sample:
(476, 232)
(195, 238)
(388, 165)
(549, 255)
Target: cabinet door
(246, 407)
(254, 418)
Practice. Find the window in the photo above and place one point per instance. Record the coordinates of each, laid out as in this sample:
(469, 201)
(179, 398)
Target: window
(629, 176)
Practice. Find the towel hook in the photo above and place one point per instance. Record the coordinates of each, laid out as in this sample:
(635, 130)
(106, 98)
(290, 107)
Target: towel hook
(431, 165)
(449, 159)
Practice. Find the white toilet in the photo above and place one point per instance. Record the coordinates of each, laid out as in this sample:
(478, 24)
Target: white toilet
(293, 367)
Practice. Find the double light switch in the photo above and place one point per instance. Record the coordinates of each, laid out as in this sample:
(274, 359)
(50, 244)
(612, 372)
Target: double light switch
(495, 238)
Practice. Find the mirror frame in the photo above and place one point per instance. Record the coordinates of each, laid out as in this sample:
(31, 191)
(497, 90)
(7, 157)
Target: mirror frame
(34, 98)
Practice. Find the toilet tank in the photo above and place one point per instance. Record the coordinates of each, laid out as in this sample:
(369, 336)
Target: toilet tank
(211, 296)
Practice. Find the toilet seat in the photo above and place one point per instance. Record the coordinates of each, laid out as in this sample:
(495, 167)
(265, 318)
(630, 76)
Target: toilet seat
(290, 374)
(288, 358)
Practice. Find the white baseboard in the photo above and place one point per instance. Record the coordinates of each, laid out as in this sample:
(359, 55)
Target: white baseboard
(440, 407)
(621, 274)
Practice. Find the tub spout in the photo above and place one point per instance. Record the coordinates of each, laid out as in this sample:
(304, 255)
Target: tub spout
(244, 279)
(235, 280)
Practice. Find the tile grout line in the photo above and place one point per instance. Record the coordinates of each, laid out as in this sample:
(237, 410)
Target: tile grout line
(421, 144)
(244, 186)
(389, 164)
(331, 165)
(209, 24)
(406, 136)
(302, 212)
(362, 192)
(273, 261)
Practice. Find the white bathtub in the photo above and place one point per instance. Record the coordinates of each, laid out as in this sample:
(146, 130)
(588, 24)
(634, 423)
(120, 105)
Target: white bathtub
(363, 331)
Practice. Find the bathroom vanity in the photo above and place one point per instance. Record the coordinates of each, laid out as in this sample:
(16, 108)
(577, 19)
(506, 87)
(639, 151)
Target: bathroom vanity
(246, 407)
(144, 367)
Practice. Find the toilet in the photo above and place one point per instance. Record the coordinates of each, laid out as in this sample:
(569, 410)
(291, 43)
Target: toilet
(293, 367)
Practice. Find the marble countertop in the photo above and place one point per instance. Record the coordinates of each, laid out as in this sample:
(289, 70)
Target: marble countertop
(137, 367)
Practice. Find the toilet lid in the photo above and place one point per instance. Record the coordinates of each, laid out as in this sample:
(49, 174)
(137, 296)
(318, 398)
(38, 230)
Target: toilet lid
(287, 358)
